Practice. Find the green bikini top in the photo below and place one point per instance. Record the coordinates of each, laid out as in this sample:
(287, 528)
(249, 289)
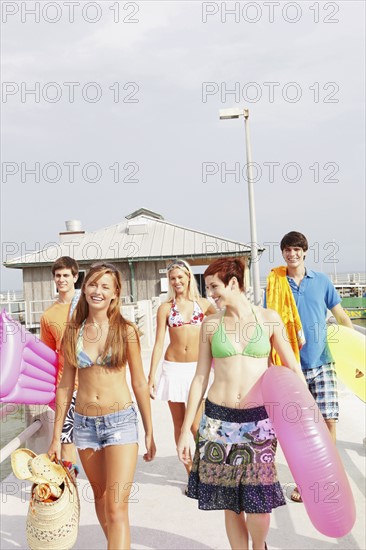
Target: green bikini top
(258, 346)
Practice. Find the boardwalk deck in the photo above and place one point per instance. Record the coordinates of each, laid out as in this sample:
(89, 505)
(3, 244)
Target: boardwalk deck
(162, 517)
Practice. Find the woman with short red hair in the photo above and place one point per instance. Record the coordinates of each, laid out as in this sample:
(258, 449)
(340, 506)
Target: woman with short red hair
(234, 464)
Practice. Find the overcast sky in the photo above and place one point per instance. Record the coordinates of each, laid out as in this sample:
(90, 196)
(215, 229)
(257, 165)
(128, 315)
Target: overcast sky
(114, 106)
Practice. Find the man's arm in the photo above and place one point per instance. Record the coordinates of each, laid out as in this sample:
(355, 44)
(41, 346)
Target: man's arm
(46, 335)
(341, 316)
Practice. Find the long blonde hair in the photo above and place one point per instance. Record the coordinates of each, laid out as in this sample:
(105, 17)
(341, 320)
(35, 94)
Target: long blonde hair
(193, 292)
(117, 332)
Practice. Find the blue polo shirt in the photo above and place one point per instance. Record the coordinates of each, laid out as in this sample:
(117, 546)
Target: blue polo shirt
(313, 297)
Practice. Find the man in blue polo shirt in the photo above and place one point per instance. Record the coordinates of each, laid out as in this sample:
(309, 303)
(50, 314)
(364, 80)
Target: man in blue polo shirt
(314, 294)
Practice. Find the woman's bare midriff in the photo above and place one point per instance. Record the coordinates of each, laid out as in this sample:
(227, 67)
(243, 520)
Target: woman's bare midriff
(102, 390)
(237, 382)
(184, 344)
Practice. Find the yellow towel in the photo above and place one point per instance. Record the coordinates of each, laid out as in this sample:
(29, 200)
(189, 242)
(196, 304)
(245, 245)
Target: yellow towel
(280, 298)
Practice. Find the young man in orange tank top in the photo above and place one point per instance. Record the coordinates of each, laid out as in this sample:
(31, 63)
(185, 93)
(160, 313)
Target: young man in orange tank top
(65, 273)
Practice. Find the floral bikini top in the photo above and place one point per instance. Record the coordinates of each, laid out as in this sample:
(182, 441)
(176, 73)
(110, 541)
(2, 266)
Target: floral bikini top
(175, 318)
(83, 359)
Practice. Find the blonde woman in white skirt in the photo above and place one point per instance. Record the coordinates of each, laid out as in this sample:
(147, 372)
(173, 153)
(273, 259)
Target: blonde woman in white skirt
(182, 313)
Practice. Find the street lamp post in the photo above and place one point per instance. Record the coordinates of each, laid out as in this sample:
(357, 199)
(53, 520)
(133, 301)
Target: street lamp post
(236, 113)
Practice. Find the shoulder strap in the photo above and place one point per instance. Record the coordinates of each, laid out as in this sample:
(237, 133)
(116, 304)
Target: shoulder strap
(74, 302)
(254, 313)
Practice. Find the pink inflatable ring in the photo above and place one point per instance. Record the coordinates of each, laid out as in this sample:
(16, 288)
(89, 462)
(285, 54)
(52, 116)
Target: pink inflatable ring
(310, 452)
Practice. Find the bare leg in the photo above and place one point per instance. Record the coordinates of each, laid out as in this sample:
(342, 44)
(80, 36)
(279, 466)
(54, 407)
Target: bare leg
(236, 530)
(121, 461)
(95, 468)
(332, 427)
(177, 410)
(258, 527)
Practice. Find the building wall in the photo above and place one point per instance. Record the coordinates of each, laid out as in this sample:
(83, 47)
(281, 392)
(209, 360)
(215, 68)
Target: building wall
(147, 279)
(38, 286)
(38, 289)
(38, 283)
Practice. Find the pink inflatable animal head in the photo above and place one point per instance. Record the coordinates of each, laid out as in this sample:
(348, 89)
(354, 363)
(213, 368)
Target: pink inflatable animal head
(28, 367)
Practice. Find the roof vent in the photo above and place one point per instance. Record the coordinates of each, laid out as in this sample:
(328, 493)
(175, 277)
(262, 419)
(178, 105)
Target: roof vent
(144, 212)
(136, 228)
(73, 231)
(73, 226)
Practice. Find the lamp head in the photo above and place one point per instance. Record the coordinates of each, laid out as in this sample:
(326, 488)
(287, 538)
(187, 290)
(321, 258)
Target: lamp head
(230, 113)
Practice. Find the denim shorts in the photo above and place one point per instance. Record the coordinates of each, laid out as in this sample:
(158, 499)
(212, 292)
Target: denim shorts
(97, 432)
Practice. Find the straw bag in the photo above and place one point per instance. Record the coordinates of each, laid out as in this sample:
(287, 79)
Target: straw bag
(54, 525)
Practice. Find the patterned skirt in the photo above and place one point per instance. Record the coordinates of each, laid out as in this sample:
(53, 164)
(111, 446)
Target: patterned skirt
(234, 463)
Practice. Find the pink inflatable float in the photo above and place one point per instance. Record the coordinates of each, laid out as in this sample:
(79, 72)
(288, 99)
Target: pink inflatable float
(310, 452)
(28, 367)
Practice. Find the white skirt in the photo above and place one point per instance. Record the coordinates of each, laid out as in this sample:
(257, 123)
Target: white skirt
(175, 381)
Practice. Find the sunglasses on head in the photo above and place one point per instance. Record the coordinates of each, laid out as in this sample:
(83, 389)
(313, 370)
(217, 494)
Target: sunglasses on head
(104, 265)
(178, 263)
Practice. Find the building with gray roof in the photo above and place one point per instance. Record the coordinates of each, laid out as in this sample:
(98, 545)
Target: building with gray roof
(141, 246)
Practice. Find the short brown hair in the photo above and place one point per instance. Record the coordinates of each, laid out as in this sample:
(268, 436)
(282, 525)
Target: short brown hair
(65, 262)
(294, 238)
(226, 269)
